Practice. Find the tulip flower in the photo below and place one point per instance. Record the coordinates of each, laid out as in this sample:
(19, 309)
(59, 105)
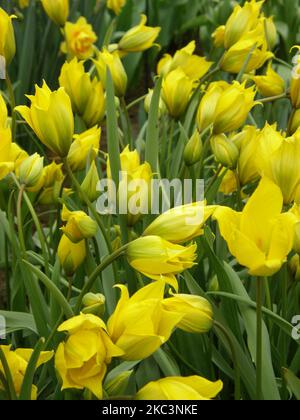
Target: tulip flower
(242, 21)
(181, 224)
(90, 184)
(51, 118)
(87, 96)
(6, 162)
(112, 61)
(51, 183)
(79, 39)
(219, 36)
(180, 388)
(225, 151)
(140, 38)
(30, 170)
(84, 147)
(157, 258)
(140, 325)
(197, 312)
(193, 149)
(82, 359)
(226, 106)
(79, 225)
(17, 363)
(229, 182)
(261, 237)
(57, 10)
(3, 113)
(162, 109)
(177, 90)
(71, 255)
(269, 85)
(193, 66)
(116, 5)
(7, 37)
(271, 32)
(294, 122)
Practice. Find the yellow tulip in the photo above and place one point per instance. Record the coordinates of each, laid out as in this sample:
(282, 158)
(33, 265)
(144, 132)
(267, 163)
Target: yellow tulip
(84, 147)
(57, 10)
(177, 90)
(113, 62)
(79, 39)
(197, 312)
(23, 3)
(282, 166)
(7, 37)
(3, 113)
(260, 237)
(242, 21)
(181, 224)
(219, 36)
(71, 255)
(51, 184)
(162, 106)
(157, 258)
(193, 149)
(17, 154)
(194, 67)
(225, 151)
(295, 210)
(51, 118)
(79, 225)
(29, 172)
(295, 121)
(116, 5)
(226, 106)
(294, 267)
(269, 85)
(180, 388)
(90, 183)
(82, 359)
(139, 38)
(140, 325)
(87, 96)
(251, 45)
(271, 32)
(18, 362)
(229, 182)
(7, 164)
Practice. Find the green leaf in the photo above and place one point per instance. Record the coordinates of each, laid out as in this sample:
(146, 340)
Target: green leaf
(293, 382)
(18, 321)
(152, 140)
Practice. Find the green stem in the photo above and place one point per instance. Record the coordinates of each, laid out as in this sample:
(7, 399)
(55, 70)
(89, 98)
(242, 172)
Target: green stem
(259, 286)
(274, 98)
(237, 373)
(135, 102)
(19, 219)
(98, 270)
(8, 376)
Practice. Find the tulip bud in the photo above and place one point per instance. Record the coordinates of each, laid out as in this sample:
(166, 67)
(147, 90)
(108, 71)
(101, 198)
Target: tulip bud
(57, 10)
(271, 32)
(162, 109)
(30, 170)
(214, 285)
(79, 225)
(113, 62)
(177, 90)
(295, 121)
(269, 85)
(118, 385)
(94, 304)
(193, 150)
(84, 147)
(71, 255)
(7, 37)
(116, 5)
(90, 183)
(219, 36)
(225, 151)
(139, 38)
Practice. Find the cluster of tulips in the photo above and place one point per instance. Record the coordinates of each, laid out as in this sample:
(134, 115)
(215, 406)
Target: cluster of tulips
(70, 263)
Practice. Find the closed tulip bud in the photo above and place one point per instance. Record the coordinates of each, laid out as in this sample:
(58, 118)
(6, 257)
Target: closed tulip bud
(157, 258)
(51, 118)
(92, 349)
(79, 39)
(180, 388)
(84, 148)
(181, 224)
(7, 37)
(30, 170)
(219, 36)
(271, 32)
(225, 151)
(140, 325)
(177, 90)
(162, 109)
(118, 385)
(94, 304)
(79, 225)
(269, 85)
(57, 10)
(90, 184)
(225, 106)
(295, 121)
(193, 149)
(18, 361)
(71, 255)
(197, 312)
(139, 38)
(213, 285)
(87, 96)
(112, 61)
(229, 182)
(51, 183)
(116, 5)
(242, 21)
